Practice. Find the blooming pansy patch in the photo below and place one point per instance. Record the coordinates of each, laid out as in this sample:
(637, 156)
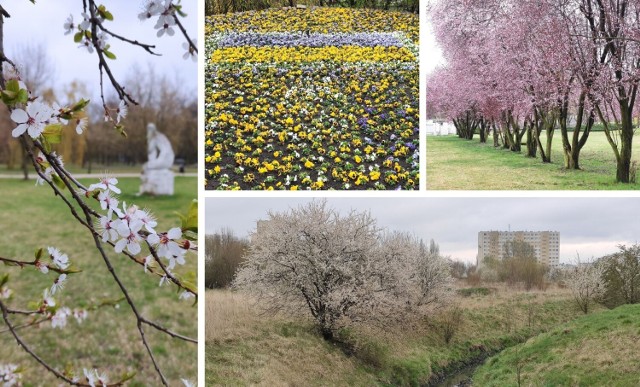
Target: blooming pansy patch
(330, 103)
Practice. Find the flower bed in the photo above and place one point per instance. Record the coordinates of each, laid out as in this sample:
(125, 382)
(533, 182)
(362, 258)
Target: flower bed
(318, 98)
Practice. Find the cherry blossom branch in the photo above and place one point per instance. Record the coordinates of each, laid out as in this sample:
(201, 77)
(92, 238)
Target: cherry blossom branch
(147, 47)
(103, 66)
(27, 349)
(192, 46)
(54, 162)
(37, 263)
(23, 140)
(168, 331)
(168, 273)
(25, 325)
(42, 123)
(88, 223)
(132, 305)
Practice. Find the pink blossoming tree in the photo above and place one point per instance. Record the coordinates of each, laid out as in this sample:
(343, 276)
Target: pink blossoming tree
(517, 69)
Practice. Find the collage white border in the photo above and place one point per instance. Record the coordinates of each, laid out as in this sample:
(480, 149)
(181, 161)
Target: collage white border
(421, 193)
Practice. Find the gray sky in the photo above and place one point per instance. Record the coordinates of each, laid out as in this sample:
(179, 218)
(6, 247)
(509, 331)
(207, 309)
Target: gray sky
(42, 24)
(591, 227)
(430, 52)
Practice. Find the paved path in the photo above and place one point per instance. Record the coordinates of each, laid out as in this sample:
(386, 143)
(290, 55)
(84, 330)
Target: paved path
(32, 175)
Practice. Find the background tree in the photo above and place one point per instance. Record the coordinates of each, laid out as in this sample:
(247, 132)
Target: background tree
(224, 256)
(622, 276)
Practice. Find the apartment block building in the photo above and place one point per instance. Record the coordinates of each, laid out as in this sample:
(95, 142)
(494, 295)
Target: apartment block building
(546, 244)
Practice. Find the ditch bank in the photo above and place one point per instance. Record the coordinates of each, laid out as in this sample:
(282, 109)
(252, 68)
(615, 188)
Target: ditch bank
(459, 373)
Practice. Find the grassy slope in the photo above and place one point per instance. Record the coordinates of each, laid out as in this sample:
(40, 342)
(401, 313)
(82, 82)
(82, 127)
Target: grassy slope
(246, 348)
(595, 350)
(453, 163)
(108, 340)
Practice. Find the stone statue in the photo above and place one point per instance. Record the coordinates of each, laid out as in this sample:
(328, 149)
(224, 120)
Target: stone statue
(160, 153)
(157, 177)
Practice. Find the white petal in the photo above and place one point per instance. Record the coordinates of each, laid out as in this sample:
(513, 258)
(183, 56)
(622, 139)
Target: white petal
(174, 233)
(19, 116)
(120, 245)
(19, 130)
(36, 130)
(154, 239)
(134, 248)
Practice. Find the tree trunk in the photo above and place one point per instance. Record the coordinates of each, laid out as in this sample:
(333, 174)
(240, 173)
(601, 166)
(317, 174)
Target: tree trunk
(626, 142)
(579, 137)
(327, 333)
(483, 131)
(532, 139)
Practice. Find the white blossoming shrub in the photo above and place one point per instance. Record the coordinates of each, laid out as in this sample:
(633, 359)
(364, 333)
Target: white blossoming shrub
(587, 284)
(341, 269)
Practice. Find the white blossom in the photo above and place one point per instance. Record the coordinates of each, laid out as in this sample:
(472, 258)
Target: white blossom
(47, 299)
(185, 295)
(5, 293)
(58, 284)
(166, 244)
(59, 320)
(80, 315)
(69, 26)
(81, 124)
(130, 237)
(9, 375)
(190, 52)
(106, 183)
(31, 120)
(86, 22)
(121, 111)
(59, 259)
(108, 228)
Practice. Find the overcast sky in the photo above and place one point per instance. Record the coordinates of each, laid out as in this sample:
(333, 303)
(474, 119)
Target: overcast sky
(42, 24)
(430, 53)
(591, 227)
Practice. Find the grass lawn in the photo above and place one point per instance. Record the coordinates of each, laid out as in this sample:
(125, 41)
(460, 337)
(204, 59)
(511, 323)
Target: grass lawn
(108, 340)
(600, 349)
(245, 347)
(454, 163)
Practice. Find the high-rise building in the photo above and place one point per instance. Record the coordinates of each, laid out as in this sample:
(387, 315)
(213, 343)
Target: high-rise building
(546, 244)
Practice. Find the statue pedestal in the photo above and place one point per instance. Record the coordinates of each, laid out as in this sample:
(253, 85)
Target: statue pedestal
(157, 182)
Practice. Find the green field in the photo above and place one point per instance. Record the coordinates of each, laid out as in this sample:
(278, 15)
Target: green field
(457, 164)
(601, 349)
(108, 340)
(245, 347)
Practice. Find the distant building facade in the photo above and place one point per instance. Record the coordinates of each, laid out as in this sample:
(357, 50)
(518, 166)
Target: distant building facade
(546, 245)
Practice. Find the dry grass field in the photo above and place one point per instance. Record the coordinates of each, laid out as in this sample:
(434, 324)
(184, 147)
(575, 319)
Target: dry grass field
(245, 347)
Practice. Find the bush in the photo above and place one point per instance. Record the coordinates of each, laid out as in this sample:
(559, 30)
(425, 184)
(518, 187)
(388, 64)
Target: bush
(448, 323)
(468, 292)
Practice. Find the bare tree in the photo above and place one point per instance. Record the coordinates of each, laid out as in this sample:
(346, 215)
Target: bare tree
(224, 255)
